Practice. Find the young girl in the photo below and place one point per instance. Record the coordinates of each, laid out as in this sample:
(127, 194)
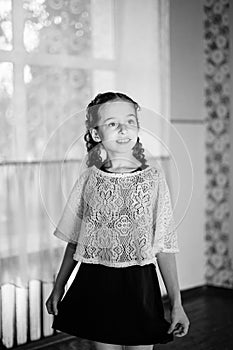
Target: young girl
(118, 223)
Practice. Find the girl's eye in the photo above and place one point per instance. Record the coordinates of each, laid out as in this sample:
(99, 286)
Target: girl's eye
(112, 125)
(131, 121)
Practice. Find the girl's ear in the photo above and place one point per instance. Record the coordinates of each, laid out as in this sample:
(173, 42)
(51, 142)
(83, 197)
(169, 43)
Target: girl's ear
(95, 135)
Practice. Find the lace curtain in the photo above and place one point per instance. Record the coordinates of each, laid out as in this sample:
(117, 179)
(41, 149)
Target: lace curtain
(55, 55)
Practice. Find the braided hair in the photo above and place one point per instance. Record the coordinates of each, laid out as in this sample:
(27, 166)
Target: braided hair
(93, 147)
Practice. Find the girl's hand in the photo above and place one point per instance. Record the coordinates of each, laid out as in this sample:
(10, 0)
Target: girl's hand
(179, 322)
(53, 300)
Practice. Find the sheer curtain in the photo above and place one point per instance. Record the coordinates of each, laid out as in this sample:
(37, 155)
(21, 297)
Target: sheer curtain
(35, 185)
(143, 66)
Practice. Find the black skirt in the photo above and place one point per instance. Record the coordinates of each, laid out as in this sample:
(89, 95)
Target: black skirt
(115, 306)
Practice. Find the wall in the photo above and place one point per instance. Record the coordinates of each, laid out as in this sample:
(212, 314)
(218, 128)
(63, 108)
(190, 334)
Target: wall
(200, 112)
(187, 116)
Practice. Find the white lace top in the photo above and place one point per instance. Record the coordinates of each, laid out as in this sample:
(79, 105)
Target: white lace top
(119, 219)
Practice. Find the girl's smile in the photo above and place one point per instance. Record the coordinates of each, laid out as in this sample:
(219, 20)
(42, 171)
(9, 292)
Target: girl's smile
(122, 141)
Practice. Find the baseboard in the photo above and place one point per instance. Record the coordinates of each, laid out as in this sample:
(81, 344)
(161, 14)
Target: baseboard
(205, 289)
(219, 291)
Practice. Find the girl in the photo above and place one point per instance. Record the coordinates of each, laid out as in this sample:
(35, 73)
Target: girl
(118, 223)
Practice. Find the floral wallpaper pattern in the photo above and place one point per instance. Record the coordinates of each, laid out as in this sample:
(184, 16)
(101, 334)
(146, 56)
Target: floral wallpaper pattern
(217, 103)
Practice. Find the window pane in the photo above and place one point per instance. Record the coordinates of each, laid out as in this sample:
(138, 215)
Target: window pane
(5, 25)
(57, 26)
(6, 114)
(53, 95)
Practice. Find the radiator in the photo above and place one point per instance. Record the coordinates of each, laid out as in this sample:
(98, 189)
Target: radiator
(24, 317)
(23, 314)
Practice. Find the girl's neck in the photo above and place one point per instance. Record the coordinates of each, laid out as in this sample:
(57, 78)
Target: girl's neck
(122, 165)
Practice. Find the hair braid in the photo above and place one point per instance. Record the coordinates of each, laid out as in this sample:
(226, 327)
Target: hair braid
(138, 152)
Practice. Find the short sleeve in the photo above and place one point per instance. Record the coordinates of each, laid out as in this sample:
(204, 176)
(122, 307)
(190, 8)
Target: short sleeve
(69, 225)
(165, 233)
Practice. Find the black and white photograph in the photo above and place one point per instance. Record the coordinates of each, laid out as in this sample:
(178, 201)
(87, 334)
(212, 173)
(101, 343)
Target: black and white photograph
(116, 174)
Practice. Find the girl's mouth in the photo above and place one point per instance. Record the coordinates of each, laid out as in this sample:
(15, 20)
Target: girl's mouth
(123, 140)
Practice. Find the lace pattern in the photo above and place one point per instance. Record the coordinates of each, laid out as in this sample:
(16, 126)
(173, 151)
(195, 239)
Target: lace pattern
(119, 219)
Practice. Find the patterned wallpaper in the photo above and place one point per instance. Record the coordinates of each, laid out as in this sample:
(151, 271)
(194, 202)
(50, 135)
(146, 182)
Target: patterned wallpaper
(217, 103)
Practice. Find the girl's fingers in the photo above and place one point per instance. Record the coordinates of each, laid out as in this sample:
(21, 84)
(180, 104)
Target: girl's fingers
(181, 330)
(180, 333)
(49, 307)
(186, 328)
(55, 310)
(172, 327)
(52, 307)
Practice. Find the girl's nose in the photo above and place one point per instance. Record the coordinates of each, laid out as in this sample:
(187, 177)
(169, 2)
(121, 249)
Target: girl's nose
(122, 127)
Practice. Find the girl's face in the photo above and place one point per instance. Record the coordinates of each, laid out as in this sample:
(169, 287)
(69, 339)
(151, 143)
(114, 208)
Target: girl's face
(117, 127)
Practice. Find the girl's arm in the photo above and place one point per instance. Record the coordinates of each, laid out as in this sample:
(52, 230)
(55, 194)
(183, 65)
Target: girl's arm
(167, 267)
(67, 266)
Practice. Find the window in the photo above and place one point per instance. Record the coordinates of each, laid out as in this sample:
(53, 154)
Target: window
(53, 55)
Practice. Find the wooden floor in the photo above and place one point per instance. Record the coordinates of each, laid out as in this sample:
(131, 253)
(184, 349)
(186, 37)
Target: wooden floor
(210, 310)
(211, 315)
